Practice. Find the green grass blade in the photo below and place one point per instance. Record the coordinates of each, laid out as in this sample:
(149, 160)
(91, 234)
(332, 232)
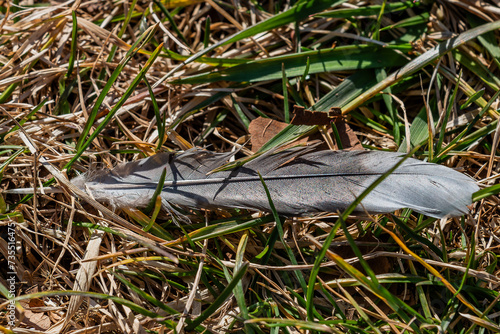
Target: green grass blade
(381, 74)
(160, 121)
(157, 192)
(472, 99)
(284, 81)
(478, 68)
(295, 323)
(411, 235)
(241, 114)
(215, 230)
(149, 224)
(347, 91)
(172, 22)
(31, 114)
(147, 297)
(4, 165)
(358, 253)
(486, 192)
(117, 106)
(447, 115)
(206, 36)
(411, 21)
(336, 135)
(114, 76)
(376, 26)
(368, 10)
(239, 292)
(288, 134)
(238, 275)
(74, 40)
(419, 131)
(120, 33)
(306, 70)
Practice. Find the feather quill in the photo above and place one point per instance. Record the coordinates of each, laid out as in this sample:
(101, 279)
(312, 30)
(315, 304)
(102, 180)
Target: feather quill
(299, 182)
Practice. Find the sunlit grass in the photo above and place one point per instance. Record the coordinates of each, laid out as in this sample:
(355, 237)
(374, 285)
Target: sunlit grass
(106, 82)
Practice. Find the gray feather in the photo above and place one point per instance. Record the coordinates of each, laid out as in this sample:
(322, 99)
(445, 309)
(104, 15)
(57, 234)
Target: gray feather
(299, 182)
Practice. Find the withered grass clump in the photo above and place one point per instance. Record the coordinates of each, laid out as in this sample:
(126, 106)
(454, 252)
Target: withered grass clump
(88, 84)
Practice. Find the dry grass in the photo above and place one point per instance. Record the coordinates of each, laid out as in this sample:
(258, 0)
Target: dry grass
(123, 278)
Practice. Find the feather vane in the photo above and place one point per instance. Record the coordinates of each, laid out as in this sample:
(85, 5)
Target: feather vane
(299, 181)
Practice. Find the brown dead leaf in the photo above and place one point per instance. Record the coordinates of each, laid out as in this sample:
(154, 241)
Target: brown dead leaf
(33, 319)
(36, 302)
(347, 136)
(264, 129)
(302, 116)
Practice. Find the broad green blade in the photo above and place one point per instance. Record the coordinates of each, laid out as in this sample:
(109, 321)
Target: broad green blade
(342, 58)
